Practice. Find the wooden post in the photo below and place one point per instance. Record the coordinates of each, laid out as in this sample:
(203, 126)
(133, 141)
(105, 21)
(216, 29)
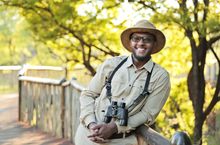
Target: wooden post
(62, 115)
(19, 99)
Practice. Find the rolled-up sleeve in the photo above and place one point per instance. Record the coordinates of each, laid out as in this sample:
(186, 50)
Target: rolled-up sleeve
(87, 98)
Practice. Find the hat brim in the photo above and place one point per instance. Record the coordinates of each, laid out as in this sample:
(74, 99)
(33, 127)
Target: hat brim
(160, 38)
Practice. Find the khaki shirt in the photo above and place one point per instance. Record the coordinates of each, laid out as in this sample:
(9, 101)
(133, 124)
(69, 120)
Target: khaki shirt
(127, 83)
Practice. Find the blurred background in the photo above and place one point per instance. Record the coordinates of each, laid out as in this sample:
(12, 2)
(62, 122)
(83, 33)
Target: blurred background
(74, 37)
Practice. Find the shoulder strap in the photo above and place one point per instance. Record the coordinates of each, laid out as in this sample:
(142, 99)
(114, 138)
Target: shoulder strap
(108, 83)
(144, 94)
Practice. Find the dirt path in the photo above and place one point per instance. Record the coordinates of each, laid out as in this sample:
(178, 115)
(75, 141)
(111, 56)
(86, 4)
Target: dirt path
(13, 132)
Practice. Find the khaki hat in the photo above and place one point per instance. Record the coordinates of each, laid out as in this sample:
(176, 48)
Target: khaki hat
(143, 26)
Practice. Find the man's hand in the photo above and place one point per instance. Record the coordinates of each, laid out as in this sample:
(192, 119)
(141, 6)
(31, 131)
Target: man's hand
(104, 130)
(94, 132)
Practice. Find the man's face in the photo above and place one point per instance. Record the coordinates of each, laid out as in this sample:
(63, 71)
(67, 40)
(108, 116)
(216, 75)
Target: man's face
(142, 45)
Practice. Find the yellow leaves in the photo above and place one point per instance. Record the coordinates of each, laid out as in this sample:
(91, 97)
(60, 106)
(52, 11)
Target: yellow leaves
(176, 56)
(59, 1)
(42, 4)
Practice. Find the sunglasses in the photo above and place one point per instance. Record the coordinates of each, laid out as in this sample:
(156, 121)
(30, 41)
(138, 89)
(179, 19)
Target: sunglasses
(145, 39)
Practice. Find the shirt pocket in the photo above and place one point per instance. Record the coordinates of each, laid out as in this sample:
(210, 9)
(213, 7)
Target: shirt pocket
(118, 87)
(138, 86)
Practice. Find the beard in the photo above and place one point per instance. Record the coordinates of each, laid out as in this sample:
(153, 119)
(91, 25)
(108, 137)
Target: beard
(141, 58)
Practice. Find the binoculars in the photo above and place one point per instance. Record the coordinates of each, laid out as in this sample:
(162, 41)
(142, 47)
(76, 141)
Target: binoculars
(118, 112)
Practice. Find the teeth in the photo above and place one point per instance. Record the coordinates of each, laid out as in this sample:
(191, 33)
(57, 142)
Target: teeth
(140, 48)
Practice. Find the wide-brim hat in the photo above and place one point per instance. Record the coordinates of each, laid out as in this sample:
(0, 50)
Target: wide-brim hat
(143, 26)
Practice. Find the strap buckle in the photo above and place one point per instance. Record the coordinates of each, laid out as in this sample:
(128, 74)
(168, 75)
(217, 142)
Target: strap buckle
(108, 89)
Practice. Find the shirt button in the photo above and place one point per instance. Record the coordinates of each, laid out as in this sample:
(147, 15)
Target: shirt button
(130, 85)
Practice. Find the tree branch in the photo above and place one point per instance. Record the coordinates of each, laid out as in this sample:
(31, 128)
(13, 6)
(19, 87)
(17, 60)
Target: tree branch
(215, 98)
(195, 2)
(213, 40)
(205, 12)
(110, 52)
(148, 6)
(216, 56)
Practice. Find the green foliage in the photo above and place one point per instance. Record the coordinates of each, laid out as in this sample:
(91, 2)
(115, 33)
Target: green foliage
(17, 44)
(84, 33)
(12, 35)
(71, 32)
(176, 53)
(177, 114)
(199, 22)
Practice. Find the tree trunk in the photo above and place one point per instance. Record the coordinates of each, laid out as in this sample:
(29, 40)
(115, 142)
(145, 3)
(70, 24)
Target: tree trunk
(90, 68)
(198, 131)
(196, 95)
(196, 89)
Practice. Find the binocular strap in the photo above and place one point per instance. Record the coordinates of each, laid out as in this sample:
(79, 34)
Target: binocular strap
(144, 94)
(108, 83)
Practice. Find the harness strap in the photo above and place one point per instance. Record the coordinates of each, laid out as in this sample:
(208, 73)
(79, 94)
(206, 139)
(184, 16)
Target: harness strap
(144, 94)
(108, 83)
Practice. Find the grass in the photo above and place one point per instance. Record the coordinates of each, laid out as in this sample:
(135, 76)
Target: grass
(8, 89)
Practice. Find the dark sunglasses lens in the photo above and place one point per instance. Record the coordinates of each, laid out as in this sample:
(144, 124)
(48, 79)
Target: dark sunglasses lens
(147, 39)
(135, 38)
(144, 39)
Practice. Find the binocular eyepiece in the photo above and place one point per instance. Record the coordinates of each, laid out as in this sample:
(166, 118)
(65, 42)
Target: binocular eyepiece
(117, 111)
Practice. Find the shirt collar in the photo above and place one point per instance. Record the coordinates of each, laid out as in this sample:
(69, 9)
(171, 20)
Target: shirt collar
(129, 61)
(148, 66)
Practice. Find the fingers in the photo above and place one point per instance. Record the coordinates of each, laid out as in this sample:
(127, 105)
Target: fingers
(97, 126)
(94, 133)
(97, 139)
(99, 133)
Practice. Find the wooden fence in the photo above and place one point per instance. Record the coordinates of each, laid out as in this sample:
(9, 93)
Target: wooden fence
(53, 106)
(49, 104)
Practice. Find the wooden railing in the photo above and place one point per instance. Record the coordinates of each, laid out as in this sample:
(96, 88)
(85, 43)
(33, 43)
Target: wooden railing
(9, 74)
(54, 72)
(53, 106)
(49, 104)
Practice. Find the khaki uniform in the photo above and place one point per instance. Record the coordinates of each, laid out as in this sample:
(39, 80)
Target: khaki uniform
(127, 83)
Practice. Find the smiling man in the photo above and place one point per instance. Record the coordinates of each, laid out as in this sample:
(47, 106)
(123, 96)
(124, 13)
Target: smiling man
(126, 92)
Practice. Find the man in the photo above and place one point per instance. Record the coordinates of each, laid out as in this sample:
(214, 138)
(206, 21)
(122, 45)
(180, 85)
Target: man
(135, 81)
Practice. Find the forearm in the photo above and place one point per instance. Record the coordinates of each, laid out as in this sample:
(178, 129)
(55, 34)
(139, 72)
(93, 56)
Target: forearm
(135, 121)
(87, 101)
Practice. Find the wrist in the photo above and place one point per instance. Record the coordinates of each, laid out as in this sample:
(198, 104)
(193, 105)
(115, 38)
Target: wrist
(114, 127)
(91, 124)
